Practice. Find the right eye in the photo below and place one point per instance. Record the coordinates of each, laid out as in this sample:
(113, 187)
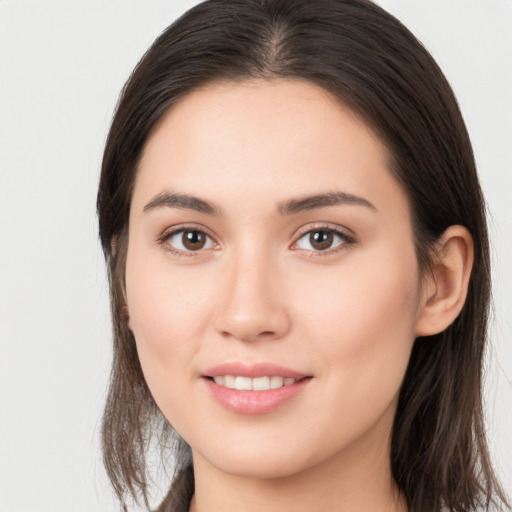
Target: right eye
(188, 240)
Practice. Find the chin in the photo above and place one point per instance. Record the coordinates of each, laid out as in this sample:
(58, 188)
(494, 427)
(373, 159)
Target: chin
(257, 463)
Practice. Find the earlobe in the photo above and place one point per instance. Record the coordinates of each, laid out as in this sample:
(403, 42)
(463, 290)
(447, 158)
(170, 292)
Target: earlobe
(113, 245)
(126, 315)
(445, 290)
(123, 308)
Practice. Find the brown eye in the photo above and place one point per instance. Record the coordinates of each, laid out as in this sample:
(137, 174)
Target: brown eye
(321, 240)
(189, 240)
(193, 240)
(318, 240)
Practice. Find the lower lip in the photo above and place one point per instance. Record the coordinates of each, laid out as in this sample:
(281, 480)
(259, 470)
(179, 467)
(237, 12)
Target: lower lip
(255, 402)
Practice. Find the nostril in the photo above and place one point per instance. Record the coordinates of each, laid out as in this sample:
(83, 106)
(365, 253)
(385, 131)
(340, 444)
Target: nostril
(251, 322)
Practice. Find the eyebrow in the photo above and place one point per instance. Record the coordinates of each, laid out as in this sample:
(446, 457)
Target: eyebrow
(182, 201)
(322, 201)
(291, 207)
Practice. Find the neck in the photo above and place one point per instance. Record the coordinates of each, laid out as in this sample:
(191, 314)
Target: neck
(356, 479)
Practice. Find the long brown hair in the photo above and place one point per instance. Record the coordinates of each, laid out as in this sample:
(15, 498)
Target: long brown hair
(375, 66)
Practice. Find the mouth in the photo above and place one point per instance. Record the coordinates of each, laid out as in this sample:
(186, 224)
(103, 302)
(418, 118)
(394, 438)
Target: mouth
(265, 383)
(254, 388)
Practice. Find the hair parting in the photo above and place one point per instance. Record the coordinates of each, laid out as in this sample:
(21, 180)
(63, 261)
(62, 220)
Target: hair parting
(367, 59)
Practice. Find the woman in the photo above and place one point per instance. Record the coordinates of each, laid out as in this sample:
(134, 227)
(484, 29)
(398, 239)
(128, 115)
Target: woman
(297, 249)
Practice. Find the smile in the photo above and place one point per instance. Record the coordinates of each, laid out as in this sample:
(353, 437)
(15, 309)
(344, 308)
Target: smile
(264, 383)
(254, 388)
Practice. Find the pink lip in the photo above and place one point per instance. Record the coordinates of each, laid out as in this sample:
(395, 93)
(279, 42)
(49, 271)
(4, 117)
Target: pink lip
(253, 370)
(254, 402)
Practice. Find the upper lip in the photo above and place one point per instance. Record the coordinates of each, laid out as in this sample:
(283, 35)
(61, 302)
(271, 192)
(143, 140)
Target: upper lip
(252, 370)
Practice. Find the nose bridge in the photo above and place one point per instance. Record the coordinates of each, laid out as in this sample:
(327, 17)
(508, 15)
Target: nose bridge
(251, 304)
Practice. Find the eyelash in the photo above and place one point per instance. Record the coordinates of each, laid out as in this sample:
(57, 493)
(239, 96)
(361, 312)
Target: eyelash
(346, 240)
(167, 235)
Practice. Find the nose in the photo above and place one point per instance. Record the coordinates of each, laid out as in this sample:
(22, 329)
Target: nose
(252, 304)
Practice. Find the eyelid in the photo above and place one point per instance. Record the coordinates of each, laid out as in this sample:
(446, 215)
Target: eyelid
(345, 233)
(173, 230)
(327, 226)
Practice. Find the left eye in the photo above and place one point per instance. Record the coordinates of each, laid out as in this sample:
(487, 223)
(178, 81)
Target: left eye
(188, 240)
(321, 240)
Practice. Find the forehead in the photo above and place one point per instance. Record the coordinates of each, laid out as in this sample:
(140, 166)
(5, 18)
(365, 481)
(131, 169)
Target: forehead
(222, 114)
(264, 137)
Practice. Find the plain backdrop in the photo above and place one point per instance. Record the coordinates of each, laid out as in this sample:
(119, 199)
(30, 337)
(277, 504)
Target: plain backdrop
(62, 65)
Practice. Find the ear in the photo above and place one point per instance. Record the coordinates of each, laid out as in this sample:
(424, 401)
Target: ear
(125, 313)
(113, 245)
(446, 288)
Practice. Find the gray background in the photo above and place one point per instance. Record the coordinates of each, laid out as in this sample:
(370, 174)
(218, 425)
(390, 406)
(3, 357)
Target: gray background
(62, 65)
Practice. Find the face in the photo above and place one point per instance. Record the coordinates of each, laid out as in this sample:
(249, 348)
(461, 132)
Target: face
(271, 278)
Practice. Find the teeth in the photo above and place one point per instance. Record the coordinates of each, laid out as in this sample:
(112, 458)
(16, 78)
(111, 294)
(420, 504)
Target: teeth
(243, 383)
(256, 384)
(229, 381)
(261, 383)
(276, 382)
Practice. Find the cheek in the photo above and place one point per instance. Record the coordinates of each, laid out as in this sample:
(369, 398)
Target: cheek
(363, 323)
(168, 315)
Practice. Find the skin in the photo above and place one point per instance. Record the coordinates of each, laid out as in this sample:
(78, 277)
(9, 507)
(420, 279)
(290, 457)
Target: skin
(259, 291)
